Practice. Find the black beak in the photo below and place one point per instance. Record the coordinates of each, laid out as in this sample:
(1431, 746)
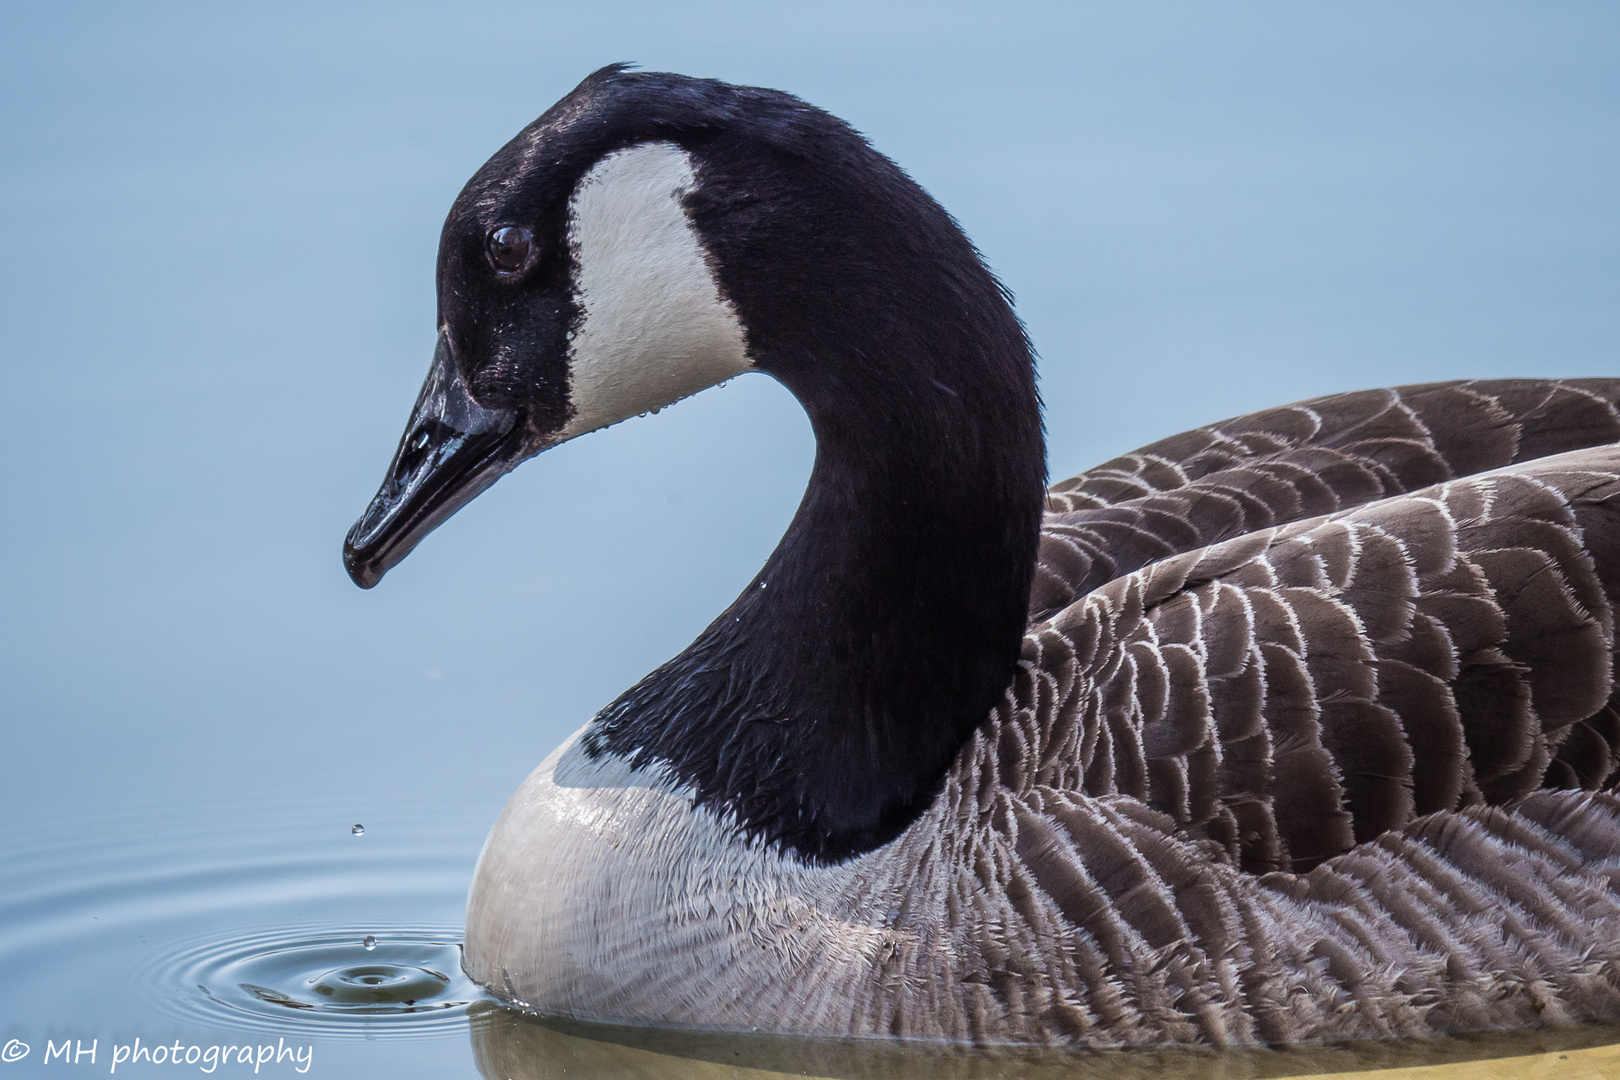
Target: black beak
(453, 449)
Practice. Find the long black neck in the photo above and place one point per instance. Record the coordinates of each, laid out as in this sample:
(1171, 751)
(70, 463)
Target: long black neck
(823, 708)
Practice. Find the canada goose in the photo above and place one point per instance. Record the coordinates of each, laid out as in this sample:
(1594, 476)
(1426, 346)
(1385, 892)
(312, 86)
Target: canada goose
(1297, 726)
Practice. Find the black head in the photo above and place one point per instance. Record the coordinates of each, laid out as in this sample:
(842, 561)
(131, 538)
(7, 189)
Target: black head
(582, 277)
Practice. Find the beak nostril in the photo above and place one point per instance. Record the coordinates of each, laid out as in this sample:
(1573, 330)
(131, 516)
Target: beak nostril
(415, 451)
(452, 449)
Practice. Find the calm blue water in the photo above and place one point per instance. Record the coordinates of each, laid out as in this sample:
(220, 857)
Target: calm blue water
(216, 292)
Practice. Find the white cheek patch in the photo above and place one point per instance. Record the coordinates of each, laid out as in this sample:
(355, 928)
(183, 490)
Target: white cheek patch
(654, 328)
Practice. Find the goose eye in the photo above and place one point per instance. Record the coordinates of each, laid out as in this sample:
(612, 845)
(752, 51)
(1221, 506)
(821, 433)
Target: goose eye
(509, 248)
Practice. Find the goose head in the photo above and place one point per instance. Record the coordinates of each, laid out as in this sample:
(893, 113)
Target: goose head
(652, 235)
(649, 236)
(574, 292)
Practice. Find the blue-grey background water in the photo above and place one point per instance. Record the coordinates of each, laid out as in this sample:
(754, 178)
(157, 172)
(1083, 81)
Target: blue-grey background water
(216, 294)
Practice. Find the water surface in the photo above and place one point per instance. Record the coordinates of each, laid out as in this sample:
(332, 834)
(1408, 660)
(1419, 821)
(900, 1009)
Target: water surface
(275, 931)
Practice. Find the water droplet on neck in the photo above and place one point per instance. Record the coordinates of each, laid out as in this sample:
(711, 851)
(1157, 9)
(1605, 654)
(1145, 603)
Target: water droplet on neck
(358, 830)
(369, 942)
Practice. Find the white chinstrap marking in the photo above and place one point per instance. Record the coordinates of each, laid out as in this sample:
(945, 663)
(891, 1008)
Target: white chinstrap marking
(655, 328)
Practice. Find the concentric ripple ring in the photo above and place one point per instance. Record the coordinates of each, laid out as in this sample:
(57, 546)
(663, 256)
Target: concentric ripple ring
(365, 982)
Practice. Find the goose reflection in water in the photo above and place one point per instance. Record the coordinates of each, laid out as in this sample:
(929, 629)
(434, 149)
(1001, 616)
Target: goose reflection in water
(510, 1046)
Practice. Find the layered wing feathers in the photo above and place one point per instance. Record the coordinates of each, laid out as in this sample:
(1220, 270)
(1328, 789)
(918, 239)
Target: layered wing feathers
(1291, 760)
(1295, 691)
(1317, 457)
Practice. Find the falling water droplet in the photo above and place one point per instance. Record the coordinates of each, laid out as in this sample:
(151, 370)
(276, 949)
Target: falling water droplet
(369, 942)
(358, 830)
